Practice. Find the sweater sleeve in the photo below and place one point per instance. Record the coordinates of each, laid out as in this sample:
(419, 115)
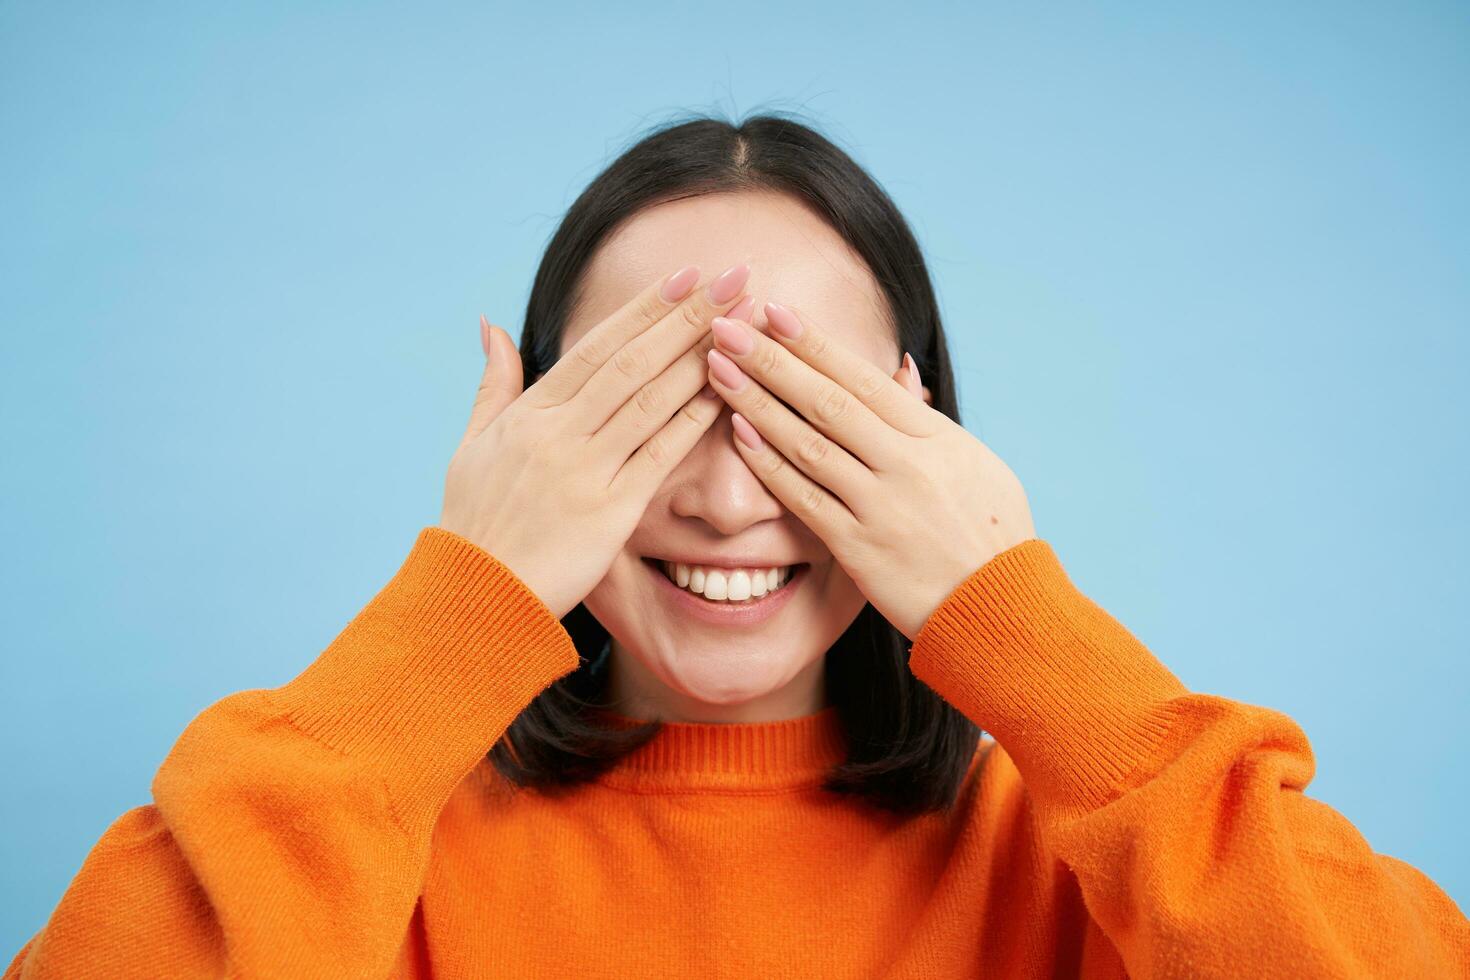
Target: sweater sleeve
(1181, 815)
(289, 833)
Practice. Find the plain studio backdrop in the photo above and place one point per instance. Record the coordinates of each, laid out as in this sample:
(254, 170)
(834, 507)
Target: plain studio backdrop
(1206, 274)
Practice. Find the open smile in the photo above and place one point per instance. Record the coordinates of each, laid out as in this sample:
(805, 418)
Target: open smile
(726, 596)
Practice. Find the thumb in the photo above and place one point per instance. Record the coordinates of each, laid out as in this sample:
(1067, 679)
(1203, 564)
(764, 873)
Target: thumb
(500, 384)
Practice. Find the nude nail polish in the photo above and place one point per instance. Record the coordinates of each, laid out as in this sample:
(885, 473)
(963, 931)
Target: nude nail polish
(677, 286)
(783, 321)
(732, 335)
(742, 310)
(725, 370)
(729, 283)
(745, 431)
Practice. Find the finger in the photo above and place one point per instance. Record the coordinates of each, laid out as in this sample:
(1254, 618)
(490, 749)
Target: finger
(821, 459)
(884, 396)
(818, 509)
(653, 404)
(647, 355)
(908, 375)
(566, 377)
(501, 382)
(822, 401)
(647, 468)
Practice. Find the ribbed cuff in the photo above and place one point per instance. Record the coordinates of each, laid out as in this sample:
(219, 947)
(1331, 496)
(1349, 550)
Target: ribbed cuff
(424, 680)
(1072, 696)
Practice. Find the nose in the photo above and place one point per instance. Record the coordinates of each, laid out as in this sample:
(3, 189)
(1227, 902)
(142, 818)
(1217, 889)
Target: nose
(714, 484)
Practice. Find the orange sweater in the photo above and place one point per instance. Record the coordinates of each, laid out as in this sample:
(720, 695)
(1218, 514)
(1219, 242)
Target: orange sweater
(348, 825)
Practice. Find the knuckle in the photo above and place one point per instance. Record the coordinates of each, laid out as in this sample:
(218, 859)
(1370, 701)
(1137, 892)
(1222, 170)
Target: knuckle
(650, 307)
(630, 361)
(813, 447)
(816, 344)
(758, 402)
(589, 351)
(809, 498)
(650, 400)
(691, 411)
(657, 448)
(832, 404)
(693, 315)
(868, 386)
(767, 359)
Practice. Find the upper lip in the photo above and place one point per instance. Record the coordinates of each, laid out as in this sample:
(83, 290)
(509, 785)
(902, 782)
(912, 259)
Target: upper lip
(723, 561)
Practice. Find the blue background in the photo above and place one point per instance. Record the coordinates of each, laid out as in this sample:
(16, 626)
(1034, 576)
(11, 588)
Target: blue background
(1206, 272)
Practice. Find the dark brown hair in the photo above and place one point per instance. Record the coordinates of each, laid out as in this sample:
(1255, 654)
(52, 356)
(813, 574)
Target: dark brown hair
(908, 749)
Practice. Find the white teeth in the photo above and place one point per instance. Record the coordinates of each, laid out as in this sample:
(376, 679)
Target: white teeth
(714, 585)
(723, 584)
(739, 586)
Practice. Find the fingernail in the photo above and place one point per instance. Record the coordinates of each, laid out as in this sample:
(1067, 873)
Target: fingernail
(727, 286)
(783, 321)
(742, 310)
(725, 370)
(485, 334)
(677, 286)
(745, 431)
(732, 335)
(911, 376)
(708, 392)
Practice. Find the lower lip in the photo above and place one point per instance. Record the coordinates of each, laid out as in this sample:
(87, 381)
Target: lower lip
(728, 613)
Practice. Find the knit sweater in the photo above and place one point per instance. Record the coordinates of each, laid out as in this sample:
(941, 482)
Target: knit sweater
(349, 825)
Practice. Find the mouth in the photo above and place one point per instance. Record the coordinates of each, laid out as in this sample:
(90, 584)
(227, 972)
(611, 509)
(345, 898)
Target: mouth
(715, 583)
(726, 595)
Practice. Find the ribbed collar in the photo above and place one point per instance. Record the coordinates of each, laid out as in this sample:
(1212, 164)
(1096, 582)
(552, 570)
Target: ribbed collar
(732, 757)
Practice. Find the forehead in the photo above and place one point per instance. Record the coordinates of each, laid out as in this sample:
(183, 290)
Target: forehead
(795, 258)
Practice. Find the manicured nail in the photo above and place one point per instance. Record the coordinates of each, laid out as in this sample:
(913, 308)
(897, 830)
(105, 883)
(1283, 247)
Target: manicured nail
(677, 286)
(783, 321)
(725, 370)
(742, 310)
(732, 335)
(485, 334)
(745, 431)
(729, 283)
(708, 392)
(911, 375)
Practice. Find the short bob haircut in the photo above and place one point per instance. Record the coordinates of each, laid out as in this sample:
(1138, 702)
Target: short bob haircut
(908, 750)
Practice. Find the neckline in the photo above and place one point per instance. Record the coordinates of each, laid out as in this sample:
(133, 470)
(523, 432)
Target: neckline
(735, 757)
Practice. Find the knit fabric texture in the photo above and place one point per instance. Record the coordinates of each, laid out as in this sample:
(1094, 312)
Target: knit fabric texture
(1113, 823)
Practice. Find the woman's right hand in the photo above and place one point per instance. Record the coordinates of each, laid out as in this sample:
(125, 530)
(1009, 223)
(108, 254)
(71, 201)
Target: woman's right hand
(552, 481)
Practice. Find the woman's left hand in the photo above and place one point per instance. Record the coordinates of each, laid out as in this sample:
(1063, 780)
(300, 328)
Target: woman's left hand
(908, 502)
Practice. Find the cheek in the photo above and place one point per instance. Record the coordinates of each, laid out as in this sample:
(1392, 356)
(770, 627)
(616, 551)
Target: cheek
(835, 604)
(617, 602)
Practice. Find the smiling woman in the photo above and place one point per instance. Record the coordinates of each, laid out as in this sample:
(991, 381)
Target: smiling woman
(765, 204)
(729, 596)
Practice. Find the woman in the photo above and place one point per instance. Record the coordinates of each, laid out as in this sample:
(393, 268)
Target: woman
(729, 596)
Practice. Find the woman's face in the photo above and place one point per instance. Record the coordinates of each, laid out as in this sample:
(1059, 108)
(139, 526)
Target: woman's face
(666, 662)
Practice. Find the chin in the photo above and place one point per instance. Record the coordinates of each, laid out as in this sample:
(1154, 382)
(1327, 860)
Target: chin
(726, 674)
